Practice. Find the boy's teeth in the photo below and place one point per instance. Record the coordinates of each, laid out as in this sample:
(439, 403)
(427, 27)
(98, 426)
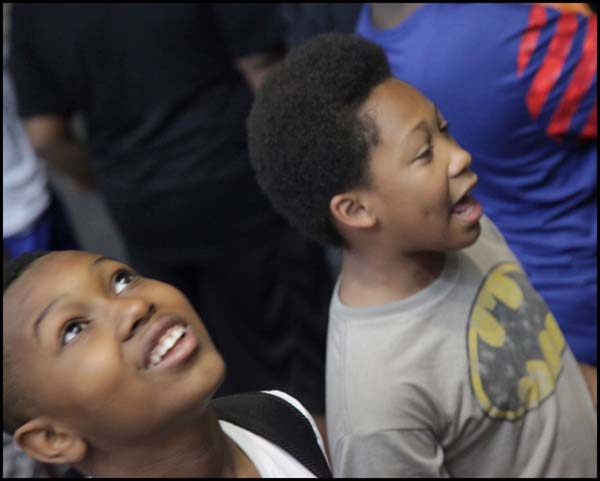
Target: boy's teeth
(464, 205)
(167, 341)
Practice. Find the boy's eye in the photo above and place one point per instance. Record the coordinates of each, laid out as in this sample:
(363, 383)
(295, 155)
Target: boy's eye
(444, 128)
(122, 278)
(425, 154)
(72, 330)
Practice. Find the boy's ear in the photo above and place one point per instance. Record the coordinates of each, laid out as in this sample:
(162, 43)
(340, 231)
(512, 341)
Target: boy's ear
(49, 442)
(350, 210)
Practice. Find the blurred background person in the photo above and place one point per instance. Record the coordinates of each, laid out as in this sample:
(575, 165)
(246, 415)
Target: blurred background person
(17, 464)
(164, 91)
(32, 215)
(32, 218)
(517, 83)
(305, 20)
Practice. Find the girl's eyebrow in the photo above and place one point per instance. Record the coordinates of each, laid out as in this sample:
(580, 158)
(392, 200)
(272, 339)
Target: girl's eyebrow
(103, 258)
(48, 308)
(43, 314)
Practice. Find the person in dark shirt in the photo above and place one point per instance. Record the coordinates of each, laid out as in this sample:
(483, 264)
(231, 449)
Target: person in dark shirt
(165, 91)
(306, 20)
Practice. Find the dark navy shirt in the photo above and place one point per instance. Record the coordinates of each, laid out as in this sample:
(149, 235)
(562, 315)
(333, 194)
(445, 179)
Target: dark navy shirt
(165, 109)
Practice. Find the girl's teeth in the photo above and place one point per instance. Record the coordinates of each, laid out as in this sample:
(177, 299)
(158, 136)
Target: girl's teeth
(166, 343)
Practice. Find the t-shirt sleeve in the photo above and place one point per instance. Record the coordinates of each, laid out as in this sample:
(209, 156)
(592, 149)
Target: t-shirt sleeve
(557, 59)
(396, 453)
(36, 91)
(249, 28)
(294, 402)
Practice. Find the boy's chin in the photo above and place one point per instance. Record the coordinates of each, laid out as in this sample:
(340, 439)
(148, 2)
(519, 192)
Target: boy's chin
(470, 237)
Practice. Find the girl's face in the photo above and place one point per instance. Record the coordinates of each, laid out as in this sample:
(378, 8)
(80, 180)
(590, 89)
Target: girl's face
(112, 354)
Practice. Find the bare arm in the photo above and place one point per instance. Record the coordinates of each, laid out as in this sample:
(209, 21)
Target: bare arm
(53, 140)
(388, 15)
(254, 67)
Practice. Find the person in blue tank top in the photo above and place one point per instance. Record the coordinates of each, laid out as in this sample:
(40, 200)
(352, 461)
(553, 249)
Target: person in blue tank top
(517, 83)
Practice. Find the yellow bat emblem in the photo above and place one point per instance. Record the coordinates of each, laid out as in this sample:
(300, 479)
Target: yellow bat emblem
(515, 345)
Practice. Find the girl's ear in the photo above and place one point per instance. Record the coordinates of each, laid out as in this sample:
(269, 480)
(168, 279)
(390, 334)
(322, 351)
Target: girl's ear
(49, 442)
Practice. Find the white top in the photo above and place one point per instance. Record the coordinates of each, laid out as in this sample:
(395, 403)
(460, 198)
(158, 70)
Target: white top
(470, 377)
(270, 460)
(24, 181)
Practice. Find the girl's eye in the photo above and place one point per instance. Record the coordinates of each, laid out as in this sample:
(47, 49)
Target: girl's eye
(444, 128)
(121, 279)
(72, 330)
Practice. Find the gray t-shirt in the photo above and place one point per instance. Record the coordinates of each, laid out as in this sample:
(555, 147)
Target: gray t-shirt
(469, 377)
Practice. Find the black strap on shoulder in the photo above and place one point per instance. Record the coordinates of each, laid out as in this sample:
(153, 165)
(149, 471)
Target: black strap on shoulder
(277, 421)
(72, 473)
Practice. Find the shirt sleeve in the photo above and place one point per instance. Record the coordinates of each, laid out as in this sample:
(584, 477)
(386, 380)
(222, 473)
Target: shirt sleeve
(37, 93)
(249, 28)
(557, 58)
(404, 453)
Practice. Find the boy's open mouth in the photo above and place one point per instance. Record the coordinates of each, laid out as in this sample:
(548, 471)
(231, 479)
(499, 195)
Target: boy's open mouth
(463, 204)
(467, 208)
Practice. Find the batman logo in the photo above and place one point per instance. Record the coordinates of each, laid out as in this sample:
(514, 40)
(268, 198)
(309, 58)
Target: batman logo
(515, 345)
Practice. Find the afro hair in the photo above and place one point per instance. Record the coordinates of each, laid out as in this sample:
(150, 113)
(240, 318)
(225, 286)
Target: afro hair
(307, 138)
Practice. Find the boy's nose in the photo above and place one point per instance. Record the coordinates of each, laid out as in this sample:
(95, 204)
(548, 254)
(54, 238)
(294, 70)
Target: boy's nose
(460, 160)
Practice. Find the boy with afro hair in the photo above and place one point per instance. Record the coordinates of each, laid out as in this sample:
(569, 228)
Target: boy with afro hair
(113, 374)
(442, 359)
